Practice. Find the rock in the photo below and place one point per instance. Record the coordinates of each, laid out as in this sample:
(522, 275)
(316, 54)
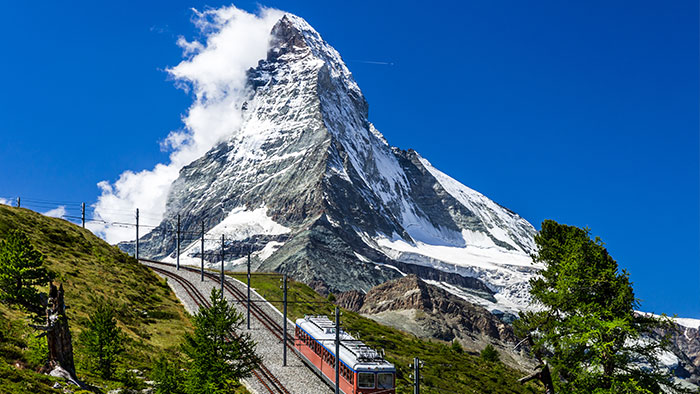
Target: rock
(351, 300)
(685, 346)
(59, 372)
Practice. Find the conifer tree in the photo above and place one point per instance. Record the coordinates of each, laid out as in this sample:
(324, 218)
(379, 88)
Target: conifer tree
(103, 340)
(21, 268)
(167, 377)
(219, 357)
(586, 328)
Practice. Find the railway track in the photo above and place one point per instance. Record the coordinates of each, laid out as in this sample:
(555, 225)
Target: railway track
(262, 374)
(268, 322)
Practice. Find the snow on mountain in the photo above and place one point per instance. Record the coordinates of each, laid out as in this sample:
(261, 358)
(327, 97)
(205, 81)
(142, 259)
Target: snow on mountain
(688, 322)
(315, 190)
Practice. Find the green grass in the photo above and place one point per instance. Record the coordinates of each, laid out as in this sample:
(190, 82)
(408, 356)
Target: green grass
(445, 369)
(152, 318)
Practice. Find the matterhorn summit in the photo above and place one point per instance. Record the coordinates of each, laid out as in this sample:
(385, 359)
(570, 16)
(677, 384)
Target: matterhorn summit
(312, 189)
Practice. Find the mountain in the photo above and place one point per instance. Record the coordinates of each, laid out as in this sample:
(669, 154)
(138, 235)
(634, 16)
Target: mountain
(314, 190)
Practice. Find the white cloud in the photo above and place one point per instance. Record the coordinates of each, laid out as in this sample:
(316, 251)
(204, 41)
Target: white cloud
(4, 201)
(56, 212)
(215, 71)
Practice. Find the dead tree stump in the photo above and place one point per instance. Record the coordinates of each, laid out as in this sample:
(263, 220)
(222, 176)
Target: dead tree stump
(57, 333)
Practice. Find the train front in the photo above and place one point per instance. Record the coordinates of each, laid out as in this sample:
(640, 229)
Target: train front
(376, 377)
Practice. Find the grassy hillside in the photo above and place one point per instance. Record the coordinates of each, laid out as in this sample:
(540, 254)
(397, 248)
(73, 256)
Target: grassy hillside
(445, 370)
(89, 268)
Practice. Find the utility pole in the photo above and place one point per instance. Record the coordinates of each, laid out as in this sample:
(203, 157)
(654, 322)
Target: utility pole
(177, 262)
(222, 266)
(137, 229)
(17, 202)
(416, 375)
(202, 269)
(284, 324)
(337, 350)
(248, 304)
(82, 215)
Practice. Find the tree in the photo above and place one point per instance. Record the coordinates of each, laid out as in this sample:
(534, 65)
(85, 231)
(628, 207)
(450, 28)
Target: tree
(587, 329)
(219, 356)
(489, 353)
(167, 377)
(102, 340)
(21, 268)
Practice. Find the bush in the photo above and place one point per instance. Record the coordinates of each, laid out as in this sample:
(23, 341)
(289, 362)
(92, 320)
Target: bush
(456, 346)
(37, 351)
(129, 379)
(490, 354)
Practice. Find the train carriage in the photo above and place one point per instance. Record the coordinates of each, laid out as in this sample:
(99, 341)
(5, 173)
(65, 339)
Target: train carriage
(362, 369)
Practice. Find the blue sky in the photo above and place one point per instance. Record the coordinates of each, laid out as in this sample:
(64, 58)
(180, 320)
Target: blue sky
(585, 113)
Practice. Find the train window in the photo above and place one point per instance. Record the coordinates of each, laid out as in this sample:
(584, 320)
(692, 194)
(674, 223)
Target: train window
(385, 380)
(365, 380)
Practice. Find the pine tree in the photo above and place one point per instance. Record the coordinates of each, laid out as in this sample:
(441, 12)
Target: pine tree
(21, 268)
(219, 357)
(103, 340)
(167, 377)
(587, 328)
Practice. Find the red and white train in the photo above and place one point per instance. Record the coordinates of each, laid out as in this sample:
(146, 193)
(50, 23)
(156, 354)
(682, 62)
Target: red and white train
(362, 369)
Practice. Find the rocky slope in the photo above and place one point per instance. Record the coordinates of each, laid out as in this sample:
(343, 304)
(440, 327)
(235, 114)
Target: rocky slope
(427, 311)
(684, 355)
(313, 189)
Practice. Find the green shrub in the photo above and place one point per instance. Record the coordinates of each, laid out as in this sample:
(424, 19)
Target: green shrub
(37, 353)
(456, 347)
(490, 354)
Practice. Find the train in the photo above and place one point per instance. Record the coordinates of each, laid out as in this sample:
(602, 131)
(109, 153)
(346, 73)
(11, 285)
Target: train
(363, 370)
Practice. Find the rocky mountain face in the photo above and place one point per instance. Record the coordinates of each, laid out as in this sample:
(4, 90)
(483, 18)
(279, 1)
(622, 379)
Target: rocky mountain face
(683, 358)
(427, 311)
(313, 189)
(410, 293)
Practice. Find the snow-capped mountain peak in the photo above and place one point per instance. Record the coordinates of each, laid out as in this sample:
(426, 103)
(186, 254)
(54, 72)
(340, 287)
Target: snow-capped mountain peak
(331, 202)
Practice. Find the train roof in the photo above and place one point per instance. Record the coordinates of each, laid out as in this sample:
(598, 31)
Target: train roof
(353, 352)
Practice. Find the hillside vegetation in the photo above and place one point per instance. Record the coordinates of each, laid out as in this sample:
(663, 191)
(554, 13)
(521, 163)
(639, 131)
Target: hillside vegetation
(147, 311)
(446, 370)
